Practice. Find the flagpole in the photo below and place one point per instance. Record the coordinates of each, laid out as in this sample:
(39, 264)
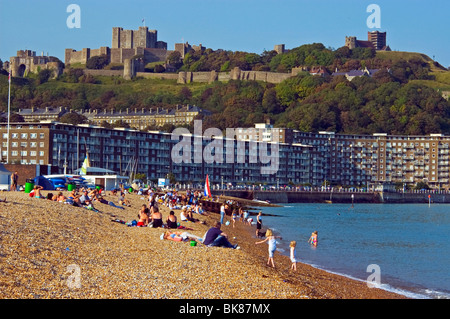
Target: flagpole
(9, 112)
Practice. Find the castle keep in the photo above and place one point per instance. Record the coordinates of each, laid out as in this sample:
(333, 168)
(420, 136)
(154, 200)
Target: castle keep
(126, 44)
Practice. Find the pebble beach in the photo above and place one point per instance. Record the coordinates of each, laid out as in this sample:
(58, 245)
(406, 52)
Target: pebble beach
(52, 250)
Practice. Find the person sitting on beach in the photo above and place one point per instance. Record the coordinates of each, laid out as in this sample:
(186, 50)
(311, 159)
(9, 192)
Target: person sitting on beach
(37, 191)
(123, 200)
(214, 237)
(186, 215)
(84, 199)
(172, 220)
(156, 218)
(60, 197)
(144, 216)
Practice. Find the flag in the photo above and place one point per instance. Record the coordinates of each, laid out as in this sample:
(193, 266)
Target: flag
(207, 189)
(83, 170)
(9, 77)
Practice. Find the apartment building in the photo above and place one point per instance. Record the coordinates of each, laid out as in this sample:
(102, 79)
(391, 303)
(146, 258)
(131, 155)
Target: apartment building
(380, 158)
(65, 146)
(311, 158)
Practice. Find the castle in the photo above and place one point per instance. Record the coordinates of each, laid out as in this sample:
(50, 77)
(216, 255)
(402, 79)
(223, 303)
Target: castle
(375, 40)
(130, 45)
(27, 61)
(126, 44)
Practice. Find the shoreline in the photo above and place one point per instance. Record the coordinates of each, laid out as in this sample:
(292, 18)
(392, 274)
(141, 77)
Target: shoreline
(41, 239)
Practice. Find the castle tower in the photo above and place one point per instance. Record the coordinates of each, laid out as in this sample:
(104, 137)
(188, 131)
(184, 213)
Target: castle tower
(350, 42)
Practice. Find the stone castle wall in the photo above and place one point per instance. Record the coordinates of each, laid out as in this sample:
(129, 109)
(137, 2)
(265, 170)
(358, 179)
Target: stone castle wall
(235, 74)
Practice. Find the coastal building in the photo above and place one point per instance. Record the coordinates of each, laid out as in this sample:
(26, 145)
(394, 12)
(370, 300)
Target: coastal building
(264, 132)
(143, 118)
(135, 118)
(381, 158)
(316, 159)
(64, 146)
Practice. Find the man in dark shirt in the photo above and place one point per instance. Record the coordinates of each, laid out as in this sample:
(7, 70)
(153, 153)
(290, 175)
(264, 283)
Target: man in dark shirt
(215, 237)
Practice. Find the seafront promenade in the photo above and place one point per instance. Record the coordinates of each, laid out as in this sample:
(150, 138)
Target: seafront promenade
(338, 196)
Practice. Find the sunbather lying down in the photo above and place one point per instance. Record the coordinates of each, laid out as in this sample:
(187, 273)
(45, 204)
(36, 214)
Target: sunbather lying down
(180, 236)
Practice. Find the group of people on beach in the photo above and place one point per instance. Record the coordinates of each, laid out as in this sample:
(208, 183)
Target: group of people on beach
(149, 215)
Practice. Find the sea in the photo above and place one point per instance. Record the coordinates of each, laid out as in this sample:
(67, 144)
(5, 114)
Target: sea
(402, 248)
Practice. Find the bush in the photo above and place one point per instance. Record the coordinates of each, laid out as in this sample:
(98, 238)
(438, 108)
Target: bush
(97, 62)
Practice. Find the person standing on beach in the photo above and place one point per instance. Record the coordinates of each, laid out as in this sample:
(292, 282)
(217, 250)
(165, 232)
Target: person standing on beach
(14, 179)
(222, 213)
(292, 255)
(258, 223)
(272, 239)
(313, 239)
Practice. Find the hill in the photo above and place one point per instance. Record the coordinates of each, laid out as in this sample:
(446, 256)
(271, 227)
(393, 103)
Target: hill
(403, 97)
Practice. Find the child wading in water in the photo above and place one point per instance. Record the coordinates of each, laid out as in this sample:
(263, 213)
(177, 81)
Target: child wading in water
(272, 245)
(294, 261)
(313, 239)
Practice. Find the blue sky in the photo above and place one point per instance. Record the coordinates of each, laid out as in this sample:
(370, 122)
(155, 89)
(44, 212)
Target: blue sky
(236, 25)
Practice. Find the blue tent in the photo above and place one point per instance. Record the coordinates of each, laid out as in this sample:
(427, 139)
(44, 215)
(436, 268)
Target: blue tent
(44, 182)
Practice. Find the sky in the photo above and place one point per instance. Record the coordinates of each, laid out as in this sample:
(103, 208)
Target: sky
(236, 25)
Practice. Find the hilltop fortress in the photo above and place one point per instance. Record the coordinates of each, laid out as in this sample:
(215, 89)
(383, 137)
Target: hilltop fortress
(139, 44)
(126, 44)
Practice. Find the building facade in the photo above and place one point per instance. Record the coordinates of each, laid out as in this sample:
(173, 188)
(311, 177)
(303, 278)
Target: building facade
(315, 159)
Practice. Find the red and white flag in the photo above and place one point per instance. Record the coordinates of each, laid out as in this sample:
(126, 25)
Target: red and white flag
(207, 192)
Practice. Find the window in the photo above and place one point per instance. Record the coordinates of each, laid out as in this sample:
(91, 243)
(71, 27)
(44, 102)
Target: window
(23, 135)
(41, 135)
(33, 135)
(15, 135)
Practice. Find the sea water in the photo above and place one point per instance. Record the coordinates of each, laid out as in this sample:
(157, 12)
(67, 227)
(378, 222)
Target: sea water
(410, 243)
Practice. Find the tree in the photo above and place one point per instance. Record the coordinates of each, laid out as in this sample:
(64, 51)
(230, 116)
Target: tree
(44, 76)
(73, 118)
(97, 62)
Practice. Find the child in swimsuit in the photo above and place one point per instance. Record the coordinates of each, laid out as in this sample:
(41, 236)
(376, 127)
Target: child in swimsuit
(272, 245)
(313, 239)
(292, 255)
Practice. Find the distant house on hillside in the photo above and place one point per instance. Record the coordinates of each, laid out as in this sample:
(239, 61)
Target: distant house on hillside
(315, 70)
(142, 118)
(350, 75)
(35, 114)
